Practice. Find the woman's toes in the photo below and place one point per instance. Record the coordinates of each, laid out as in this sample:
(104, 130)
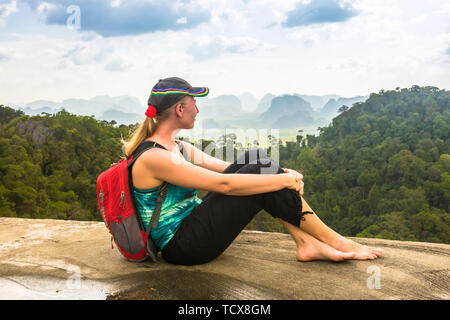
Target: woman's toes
(376, 251)
(349, 255)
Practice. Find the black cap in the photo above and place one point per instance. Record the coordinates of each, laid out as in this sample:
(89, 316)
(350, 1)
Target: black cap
(169, 91)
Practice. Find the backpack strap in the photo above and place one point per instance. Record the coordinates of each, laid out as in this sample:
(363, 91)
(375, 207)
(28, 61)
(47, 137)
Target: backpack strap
(161, 196)
(159, 201)
(144, 146)
(148, 144)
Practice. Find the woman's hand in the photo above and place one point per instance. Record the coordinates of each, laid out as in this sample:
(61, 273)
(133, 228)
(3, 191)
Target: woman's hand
(299, 184)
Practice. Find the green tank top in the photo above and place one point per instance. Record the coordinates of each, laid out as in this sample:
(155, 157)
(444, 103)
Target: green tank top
(178, 205)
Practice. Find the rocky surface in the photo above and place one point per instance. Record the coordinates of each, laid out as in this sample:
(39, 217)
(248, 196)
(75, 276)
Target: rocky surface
(36, 130)
(55, 259)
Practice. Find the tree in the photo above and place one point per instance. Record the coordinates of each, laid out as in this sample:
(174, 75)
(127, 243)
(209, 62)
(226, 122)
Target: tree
(343, 109)
(380, 169)
(7, 114)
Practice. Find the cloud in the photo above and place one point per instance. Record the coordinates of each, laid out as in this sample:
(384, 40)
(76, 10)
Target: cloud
(271, 25)
(182, 20)
(319, 11)
(85, 55)
(308, 43)
(118, 65)
(118, 18)
(221, 45)
(6, 8)
(4, 57)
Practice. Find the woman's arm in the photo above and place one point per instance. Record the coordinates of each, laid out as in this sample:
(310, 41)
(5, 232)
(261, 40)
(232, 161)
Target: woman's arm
(164, 166)
(204, 160)
(198, 157)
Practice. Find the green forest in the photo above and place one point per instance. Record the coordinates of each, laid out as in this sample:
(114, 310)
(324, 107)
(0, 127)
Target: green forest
(380, 169)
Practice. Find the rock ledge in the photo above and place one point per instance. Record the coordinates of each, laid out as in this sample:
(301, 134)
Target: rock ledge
(55, 259)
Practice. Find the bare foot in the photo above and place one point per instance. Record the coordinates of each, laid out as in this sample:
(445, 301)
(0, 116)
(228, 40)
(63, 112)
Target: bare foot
(362, 252)
(309, 249)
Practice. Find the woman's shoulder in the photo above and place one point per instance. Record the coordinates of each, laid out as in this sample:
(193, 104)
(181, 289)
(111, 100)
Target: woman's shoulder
(155, 157)
(144, 167)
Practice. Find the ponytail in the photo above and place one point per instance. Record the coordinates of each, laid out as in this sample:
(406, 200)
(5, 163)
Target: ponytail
(143, 131)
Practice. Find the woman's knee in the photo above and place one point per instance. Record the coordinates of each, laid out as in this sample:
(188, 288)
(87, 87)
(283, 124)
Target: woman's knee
(254, 161)
(261, 167)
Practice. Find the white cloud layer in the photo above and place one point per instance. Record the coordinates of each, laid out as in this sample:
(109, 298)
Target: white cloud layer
(346, 47)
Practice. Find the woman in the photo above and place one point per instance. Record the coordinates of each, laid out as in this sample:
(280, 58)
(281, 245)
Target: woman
(195, 231)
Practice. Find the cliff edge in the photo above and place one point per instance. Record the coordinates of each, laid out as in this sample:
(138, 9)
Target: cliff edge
(56, 259)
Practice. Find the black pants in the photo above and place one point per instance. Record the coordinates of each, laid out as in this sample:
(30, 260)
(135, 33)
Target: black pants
(217, 221)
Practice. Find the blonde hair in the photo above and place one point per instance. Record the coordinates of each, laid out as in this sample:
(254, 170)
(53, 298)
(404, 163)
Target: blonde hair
(146, 129)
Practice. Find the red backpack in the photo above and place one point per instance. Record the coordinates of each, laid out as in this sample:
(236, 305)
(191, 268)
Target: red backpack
(117, 207)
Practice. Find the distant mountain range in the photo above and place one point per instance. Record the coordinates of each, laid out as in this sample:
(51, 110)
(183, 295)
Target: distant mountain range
(226, 111)
(122, 109)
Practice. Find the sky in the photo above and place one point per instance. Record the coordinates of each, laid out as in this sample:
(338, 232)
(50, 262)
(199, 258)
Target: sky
(56, 50)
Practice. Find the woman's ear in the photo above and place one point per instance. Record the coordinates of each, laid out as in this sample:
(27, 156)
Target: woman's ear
(179, 109)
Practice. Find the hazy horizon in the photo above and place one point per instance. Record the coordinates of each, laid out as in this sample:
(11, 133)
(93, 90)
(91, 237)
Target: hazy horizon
(143, 101)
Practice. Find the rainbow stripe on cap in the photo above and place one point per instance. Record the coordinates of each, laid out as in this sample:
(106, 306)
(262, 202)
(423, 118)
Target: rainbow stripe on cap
(163, 91)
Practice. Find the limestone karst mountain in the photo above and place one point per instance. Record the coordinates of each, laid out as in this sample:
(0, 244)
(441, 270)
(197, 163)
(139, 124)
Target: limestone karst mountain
(226, 111)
